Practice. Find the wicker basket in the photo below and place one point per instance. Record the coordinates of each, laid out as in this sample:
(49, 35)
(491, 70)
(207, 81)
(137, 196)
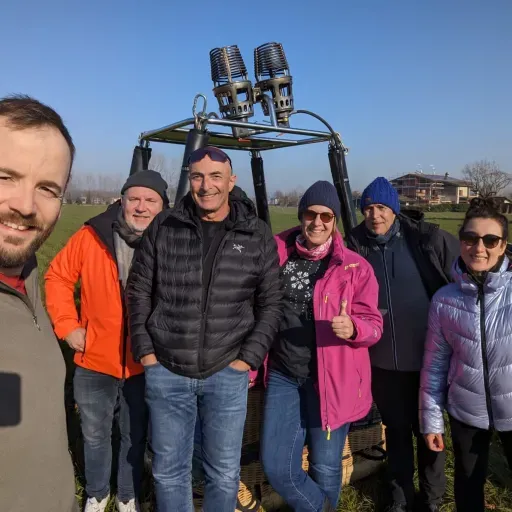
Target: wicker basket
(363, 436)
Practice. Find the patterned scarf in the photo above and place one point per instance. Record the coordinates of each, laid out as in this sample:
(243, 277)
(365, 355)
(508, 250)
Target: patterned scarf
(316, 253)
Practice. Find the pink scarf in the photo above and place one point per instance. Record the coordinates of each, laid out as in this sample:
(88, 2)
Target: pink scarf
(317, 253)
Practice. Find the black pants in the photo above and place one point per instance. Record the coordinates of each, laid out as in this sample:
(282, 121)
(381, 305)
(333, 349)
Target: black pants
(471, 449)
(396, 395)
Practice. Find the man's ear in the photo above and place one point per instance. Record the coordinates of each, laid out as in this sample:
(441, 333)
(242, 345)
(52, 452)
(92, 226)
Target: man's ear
(232, 182)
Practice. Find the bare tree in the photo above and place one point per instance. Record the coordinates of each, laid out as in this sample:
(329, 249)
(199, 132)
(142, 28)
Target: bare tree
(168, 169)
(73, 189)
(158, 163)
(279, 197)
(486, 178)
(291, 197)
(94, 186)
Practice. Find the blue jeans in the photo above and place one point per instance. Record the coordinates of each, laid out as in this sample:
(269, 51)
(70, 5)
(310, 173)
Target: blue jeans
(97, 396)
(175, 402)
(291, 418)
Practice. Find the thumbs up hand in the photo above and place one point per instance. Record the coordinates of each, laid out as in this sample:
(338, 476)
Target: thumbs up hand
(342, 324)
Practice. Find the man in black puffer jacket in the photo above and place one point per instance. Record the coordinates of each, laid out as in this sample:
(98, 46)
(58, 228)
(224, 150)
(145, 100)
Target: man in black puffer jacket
(204, 300)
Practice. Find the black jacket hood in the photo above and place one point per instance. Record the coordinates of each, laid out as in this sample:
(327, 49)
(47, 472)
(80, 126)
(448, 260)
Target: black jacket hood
(416, 215)
(102, 225)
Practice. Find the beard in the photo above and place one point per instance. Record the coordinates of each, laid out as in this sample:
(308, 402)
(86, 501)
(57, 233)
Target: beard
(15, 251)
(136, 228)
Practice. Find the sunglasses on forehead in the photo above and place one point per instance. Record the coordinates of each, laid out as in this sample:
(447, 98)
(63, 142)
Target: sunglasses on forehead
(215, 154)
(325, 217)
(470, 239)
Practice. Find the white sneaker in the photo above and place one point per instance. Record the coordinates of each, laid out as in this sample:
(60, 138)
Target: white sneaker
(131, 506)
(93, 505)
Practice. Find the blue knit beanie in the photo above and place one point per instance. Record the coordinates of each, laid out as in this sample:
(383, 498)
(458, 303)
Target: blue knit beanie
(321, 193)
(380, 191)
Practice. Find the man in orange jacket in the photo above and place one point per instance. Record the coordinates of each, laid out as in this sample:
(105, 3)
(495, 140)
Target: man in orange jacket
(99, 256)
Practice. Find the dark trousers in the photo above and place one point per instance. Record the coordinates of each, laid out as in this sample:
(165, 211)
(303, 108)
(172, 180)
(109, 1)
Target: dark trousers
(97, 396)
(471, 449)
(396, 395)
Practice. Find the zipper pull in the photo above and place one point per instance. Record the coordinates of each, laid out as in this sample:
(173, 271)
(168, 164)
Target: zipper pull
(328, 433)
(34, 317)
(325, 299)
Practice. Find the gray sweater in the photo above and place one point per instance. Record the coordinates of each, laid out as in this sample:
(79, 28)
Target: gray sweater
(36, 473)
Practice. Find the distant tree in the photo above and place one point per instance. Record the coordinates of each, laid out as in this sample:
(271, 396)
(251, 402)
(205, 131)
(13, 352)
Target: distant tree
(356, 197)
(279, 194)
(293, 197)
(168, 170)
(486, 178)
(289, 197)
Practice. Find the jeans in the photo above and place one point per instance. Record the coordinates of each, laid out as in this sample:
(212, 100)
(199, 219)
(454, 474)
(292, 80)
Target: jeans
(471, 450)
(97, 395)
(175, 402)
(291, 418)
(396, 395)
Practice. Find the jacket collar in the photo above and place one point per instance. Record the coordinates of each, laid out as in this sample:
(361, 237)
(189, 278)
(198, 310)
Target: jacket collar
(242, 213)
(494, 281)
(102, 225)
(31, 277)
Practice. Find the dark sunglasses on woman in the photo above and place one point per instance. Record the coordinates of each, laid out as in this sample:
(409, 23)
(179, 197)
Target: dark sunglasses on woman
(470, 239)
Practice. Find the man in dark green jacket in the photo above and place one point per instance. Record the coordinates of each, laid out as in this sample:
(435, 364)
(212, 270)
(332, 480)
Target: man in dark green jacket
(36, 154)
(412, 260)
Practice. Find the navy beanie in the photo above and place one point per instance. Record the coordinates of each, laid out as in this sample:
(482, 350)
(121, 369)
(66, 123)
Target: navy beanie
(380, 191)
(148, 179)
(321, 193)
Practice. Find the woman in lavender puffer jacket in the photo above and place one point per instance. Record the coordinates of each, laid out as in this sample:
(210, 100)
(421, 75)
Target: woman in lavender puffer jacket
(467, 366)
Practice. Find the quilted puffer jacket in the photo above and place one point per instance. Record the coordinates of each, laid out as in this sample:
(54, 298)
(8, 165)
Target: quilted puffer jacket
(240, 316)
(467, 366)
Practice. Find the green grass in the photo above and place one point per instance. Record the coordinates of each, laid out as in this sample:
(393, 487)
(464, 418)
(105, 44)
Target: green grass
(369, 494)
(72, 217)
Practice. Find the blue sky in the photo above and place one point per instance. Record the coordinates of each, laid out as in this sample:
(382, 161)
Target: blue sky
(405, 82)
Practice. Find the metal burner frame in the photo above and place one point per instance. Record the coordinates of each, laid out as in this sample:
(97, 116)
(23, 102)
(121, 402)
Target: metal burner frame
(196, 132)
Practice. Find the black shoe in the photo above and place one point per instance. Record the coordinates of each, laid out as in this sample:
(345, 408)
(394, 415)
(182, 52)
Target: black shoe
(398, 507)
(429, 507)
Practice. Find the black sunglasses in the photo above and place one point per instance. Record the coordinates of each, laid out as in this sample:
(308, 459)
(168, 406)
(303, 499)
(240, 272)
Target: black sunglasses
(215, 154)
(471, 239)
(325, 217)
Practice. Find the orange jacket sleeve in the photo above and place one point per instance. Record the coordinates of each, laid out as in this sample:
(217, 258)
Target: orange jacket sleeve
(63, 274)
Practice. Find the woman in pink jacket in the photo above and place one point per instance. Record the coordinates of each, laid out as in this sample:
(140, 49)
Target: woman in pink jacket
(318, 378)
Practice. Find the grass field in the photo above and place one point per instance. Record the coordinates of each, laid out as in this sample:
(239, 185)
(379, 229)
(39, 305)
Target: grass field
(369, 494)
